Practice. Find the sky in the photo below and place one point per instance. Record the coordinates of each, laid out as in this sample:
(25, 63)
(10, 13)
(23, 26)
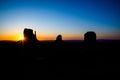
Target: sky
(70, 18)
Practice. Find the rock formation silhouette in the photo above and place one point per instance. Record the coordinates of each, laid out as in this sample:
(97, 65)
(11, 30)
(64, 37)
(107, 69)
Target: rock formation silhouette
(30, 40)
(59, 39)
(90, 37)
(29, 35)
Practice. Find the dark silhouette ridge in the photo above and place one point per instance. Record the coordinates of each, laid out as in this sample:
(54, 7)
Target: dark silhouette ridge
(61, 58)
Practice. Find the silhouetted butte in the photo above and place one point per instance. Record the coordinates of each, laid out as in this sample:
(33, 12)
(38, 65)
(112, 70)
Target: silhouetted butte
(59, 39)
(29, 35)
(90, 37)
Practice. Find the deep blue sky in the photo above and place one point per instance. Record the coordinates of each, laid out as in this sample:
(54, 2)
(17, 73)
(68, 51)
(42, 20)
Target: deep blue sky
(71, 18)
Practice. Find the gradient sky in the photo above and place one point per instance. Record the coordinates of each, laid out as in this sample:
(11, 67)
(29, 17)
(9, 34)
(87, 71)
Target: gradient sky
(70, 18)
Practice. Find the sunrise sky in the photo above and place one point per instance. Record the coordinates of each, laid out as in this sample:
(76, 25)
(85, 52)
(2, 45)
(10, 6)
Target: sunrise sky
(70, 18)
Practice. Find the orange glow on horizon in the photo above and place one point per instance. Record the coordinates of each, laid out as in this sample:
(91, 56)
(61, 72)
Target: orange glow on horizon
(108, 36)
(21, 38)
(53, 37)
(11, 37)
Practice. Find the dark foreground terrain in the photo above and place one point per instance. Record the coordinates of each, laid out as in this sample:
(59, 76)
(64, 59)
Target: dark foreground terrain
(66, 59)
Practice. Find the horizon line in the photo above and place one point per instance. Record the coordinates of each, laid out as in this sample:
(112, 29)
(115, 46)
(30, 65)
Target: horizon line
(66, 40)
